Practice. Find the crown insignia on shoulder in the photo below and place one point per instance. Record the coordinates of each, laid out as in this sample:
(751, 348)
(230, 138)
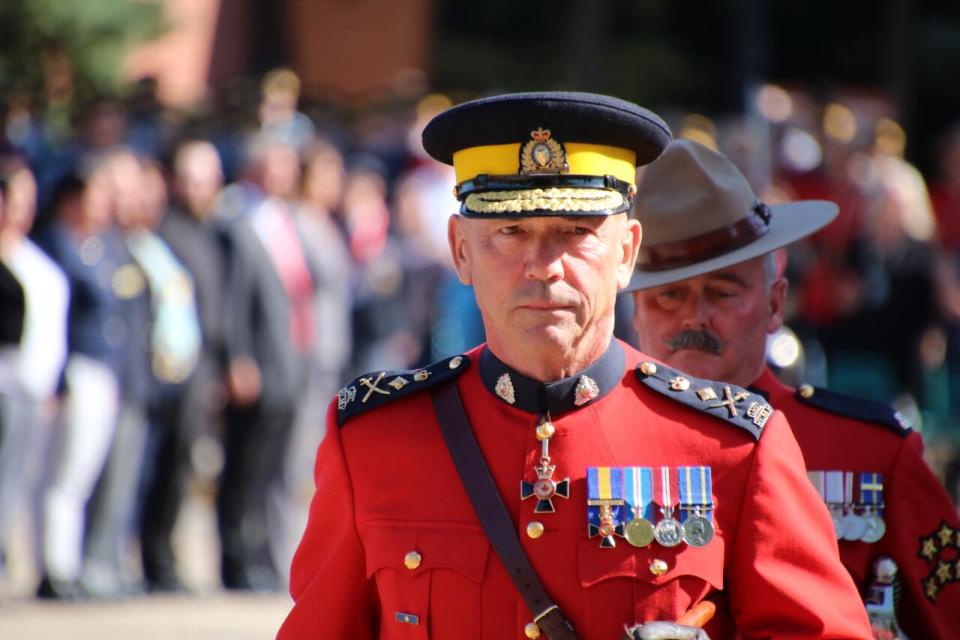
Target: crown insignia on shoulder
(728, 402)
(380, 387)
(856, 408)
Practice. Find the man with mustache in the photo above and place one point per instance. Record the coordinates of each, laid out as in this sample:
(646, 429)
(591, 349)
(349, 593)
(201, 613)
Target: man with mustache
(554, 482)
(707, 292)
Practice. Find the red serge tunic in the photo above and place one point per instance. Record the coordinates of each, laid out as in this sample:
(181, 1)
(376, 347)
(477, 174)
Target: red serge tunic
(386, 487)
(922, 528)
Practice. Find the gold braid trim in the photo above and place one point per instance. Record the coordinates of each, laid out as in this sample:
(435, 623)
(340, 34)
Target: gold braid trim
(555, 199)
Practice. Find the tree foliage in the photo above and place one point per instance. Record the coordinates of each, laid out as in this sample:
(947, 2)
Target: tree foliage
(39, 38)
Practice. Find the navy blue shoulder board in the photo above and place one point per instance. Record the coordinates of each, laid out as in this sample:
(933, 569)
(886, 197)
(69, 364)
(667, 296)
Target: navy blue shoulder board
(856, 408)
(728, 402)
(380, 387)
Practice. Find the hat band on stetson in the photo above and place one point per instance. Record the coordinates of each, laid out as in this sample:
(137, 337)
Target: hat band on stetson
(682, 253)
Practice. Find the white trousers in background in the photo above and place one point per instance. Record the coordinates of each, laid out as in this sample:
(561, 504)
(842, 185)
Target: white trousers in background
(85, 432)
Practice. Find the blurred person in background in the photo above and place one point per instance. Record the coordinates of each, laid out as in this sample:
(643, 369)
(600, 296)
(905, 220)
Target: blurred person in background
(30, 368)
(891, 291)
(945, 191)
(321, 196)
(706, 298)
(379, 334)
(191, 231)
(111, 568)
(175, 344)
(75, 240)
(945, 194)
(444, 309)
(270, 337)
(277, 112)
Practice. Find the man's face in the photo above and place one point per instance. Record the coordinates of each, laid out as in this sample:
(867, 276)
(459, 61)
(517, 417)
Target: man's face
(545, 285)
(715, 325)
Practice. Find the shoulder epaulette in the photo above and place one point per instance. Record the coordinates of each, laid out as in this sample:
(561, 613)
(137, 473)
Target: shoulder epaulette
(728, 402)
(857, 408)
(374, 389)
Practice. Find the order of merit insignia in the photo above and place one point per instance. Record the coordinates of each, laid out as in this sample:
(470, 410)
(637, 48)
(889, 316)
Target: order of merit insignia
(605, 504)
(545, 488)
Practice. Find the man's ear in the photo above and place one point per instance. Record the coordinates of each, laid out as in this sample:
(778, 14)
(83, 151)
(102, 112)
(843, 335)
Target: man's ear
(629, 246)
(458, 248)
(777, 299)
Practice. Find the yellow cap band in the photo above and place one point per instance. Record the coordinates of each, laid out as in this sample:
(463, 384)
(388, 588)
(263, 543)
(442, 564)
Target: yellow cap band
(583, 159)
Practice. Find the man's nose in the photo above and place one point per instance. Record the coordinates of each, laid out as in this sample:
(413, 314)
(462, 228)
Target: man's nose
(695, 312)
(544, 261)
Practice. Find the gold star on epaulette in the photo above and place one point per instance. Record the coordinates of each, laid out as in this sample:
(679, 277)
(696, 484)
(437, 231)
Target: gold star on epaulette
(943, 572)
(930, 589)
(945, 534)
(928, 548)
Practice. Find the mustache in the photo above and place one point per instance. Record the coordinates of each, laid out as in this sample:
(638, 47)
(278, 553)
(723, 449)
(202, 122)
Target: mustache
(694, 339)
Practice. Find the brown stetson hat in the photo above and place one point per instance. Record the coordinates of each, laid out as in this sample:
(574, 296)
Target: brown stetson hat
(699, 215)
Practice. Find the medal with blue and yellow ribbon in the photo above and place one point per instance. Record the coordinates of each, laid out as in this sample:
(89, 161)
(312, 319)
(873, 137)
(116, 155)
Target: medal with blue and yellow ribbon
(696, 504)
(871, 500)
(638, 494)
(604, 504)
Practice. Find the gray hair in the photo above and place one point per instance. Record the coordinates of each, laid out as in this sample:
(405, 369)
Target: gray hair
(769, 269)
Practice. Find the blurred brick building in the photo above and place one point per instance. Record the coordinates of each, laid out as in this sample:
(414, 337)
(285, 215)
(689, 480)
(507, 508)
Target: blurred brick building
(344, 48)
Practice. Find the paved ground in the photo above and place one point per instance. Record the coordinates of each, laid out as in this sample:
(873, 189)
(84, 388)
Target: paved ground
(211, 615)
(214, 617)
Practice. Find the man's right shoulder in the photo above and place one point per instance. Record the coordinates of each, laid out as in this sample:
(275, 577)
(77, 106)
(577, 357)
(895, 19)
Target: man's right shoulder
(372, 390)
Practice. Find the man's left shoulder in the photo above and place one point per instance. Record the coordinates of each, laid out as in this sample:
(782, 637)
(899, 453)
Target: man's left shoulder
(728, 402)
(860, 409)
(375, 389)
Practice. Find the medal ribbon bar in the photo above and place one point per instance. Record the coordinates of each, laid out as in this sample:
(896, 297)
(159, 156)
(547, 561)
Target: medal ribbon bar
(833, 483)
(638, 491)
(871, 489)
(696, 490)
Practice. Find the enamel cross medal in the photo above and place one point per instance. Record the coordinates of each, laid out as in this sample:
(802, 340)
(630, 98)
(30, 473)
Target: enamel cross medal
(545, 489)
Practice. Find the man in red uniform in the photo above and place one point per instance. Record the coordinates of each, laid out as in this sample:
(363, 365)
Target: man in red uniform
(707, 291)
(635, 491)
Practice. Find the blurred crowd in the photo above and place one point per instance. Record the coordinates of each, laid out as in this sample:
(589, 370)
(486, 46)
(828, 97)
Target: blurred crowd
(181, 295)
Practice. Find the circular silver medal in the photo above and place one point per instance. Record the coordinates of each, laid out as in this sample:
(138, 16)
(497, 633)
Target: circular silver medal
(853, 527)
(668, 532)
(639, 532)
(697, 531)
(875, 528)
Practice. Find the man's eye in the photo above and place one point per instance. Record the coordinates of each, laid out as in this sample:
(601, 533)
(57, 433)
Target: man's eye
(512, 230)
(581, 231)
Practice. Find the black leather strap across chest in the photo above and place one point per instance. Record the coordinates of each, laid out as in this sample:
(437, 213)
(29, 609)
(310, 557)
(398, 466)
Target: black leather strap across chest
(492, 512)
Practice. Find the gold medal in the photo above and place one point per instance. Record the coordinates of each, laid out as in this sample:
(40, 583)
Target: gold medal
(639, 532)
